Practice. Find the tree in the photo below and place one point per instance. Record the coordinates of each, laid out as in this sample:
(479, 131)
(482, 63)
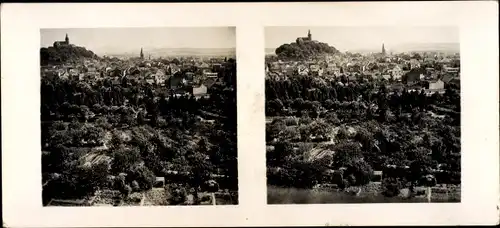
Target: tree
(347, 153)
(360, 170)
(274, 107)
(391, 187)
(93, 178)
(280, 154)
(123, 159)
(178, 194)
(144, 177)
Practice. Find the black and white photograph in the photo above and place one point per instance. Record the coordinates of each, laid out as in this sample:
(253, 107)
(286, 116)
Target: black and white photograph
(362, 114)
(250, 114)
(138, 116)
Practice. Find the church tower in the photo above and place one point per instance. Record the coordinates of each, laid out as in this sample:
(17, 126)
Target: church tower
(142, 54)
(66, 39)
(383, 49)
(309, 36)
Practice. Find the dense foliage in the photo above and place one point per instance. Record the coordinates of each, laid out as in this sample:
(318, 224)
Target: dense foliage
(64, 54)
(132, 134)
(304, 50)
(361, 126)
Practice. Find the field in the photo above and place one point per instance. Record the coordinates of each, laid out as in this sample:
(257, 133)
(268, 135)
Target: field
(153, 197)
(279, 195)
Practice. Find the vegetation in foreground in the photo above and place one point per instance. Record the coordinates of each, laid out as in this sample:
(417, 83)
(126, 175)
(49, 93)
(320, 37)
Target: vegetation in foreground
(97, 135)
(279, 195)
(340, 131)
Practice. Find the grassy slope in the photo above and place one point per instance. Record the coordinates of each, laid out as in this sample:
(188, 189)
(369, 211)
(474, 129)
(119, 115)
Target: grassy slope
(277, 195)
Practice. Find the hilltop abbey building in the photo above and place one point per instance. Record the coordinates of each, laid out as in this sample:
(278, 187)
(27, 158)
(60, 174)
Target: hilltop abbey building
(305, 39)
(62, 43)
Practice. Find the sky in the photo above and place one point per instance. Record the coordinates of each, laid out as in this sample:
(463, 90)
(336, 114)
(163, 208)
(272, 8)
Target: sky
(103, 40)
(363, 38)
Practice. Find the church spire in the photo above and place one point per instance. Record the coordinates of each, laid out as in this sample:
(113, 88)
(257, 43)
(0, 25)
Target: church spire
(383, 49)
(142, 54)
(309, 34)
(67, 39)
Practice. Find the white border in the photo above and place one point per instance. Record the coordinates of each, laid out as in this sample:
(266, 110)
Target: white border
(478, 23)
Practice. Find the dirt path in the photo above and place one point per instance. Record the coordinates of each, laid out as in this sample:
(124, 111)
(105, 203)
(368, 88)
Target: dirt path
(143, 198)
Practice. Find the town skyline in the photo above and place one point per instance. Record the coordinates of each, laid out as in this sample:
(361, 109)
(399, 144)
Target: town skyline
(372, 38)
(104, 41)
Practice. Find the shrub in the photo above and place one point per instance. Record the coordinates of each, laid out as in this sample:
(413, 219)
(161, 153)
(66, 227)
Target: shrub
(135, 186)
(135, 198)
(178, 194)
(144, 177)
(391, 187)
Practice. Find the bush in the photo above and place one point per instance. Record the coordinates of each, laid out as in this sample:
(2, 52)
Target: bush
(361, 172)
(178, 194)
(135, 198)
(135, 186)
(144, 177)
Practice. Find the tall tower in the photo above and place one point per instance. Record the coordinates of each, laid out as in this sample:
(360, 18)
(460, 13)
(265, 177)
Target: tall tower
(142, 54)
(383, 49)
(66, 39)
(309, 36)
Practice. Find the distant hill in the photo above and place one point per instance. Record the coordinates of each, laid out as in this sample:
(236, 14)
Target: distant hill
(304, 50)
(270, 51)
(421, 47)
(158, 52)
(416, 47)
(64, 54)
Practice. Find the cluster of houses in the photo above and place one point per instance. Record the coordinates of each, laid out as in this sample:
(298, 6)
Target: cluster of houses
(187, 75)
(435, 68)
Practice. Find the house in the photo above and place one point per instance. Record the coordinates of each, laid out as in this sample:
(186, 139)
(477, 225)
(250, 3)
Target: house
(455, 80)
(175, 81)
(204, 66)
(451, 69)
(413, 76)
(288, 70)
(199, 91)
(446, 78)
(216, 67)
(91, 69)
(160, 77)
(63, 74)
(414, 63)
(73, 71)
(209, 82)
(436, 85)
(316, 70)
(159, 182)
(189, 76)
(397, 72)
(352, 78)
(302, 70)
(210, 74)
(172, 69)
(377, 176)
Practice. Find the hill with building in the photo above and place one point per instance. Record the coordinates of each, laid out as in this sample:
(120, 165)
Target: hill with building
(304, 48)
(62, 52)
